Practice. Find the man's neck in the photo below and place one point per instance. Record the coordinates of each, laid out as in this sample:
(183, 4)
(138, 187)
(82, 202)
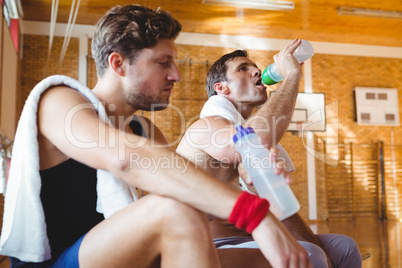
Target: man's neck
(113, 99)
(245, 109)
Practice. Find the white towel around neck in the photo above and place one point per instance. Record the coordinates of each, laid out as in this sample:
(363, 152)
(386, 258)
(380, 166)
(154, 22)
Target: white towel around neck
(219, 105)
(24, 229)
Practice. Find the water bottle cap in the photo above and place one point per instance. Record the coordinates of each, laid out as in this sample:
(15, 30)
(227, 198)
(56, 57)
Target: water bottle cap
(241, 132)
(304, 52)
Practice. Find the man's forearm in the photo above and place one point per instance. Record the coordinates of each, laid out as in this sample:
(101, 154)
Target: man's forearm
(202, 191)
(299, 229)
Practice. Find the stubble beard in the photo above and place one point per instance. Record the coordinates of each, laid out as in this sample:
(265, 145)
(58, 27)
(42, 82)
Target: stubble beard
(147, 103)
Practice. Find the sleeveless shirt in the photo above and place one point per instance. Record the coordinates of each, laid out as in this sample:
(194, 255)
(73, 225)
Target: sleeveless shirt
(68, 196)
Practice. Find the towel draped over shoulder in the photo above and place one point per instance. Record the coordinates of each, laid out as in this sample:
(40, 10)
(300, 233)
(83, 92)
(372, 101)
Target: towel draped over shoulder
(24, 228)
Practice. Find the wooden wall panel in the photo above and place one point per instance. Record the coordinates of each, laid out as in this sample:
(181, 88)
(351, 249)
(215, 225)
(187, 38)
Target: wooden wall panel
(393, 180)
(9, 82)
(1, 53)
(353, 185)
(33, 67)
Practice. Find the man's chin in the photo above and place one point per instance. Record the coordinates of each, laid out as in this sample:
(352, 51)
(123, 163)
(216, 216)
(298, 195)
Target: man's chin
(156, 107)
(258, 103)
(261, 99)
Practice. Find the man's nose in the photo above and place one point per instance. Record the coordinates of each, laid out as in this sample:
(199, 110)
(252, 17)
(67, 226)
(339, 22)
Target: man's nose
(256, 72)
(174, 75)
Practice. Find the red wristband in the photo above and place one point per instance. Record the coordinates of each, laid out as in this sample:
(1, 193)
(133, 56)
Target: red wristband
(248, 211)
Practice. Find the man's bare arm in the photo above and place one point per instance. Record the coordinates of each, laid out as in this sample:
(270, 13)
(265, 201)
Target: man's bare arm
(212, 135)
(271, 121)
(299, 229)
(76, 131)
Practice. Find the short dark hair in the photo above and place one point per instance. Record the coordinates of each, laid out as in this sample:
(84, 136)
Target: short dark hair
(217, 72)
(128, 29)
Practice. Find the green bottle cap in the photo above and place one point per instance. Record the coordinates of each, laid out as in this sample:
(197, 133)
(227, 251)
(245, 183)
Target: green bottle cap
(266, 79)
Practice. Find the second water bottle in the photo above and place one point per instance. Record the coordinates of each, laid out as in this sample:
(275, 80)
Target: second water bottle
(256, 161)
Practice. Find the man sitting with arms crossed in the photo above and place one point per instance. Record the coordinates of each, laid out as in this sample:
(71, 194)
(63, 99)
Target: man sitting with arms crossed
(234, 89)
(71, 160)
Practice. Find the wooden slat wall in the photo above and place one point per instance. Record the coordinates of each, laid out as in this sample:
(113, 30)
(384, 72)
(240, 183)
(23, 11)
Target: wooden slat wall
(393, 181)
(365, 180)
(339, 186)
(353, 185)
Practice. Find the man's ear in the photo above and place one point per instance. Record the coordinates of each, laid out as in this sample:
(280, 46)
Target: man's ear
(116, 62)
(222, 88)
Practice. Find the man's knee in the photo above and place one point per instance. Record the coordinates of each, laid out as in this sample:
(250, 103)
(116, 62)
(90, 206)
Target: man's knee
(176, 216)
(352, 252)
(341, 249)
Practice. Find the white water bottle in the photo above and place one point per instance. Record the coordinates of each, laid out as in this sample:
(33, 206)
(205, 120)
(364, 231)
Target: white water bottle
(303, 52)
(256, 161)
